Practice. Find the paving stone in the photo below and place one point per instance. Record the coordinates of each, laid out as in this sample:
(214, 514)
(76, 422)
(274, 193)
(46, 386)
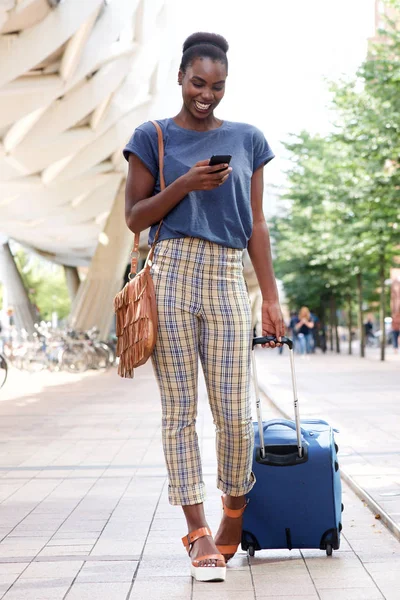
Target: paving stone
(351, 594)
(98, 519)
(52, 570)
(107, 572)
(173, 588)
(211, 591)
(98, 591)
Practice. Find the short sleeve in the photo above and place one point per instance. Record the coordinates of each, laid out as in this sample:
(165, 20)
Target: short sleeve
(262, 152)
(143, 144)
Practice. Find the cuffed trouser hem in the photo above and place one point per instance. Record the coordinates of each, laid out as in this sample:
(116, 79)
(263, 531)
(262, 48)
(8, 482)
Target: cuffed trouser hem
(182, 496)
(234, 490)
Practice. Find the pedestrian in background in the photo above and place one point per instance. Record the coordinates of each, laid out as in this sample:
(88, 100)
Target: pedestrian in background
(304, 327)
(396, 332)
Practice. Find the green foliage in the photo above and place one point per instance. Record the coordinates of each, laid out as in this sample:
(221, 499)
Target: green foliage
(45, 283)
(344, 189)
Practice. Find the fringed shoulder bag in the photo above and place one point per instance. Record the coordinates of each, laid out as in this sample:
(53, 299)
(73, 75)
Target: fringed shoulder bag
(135, 305)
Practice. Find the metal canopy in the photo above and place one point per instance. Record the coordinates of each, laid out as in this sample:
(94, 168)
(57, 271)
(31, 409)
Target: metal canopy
(75, 80)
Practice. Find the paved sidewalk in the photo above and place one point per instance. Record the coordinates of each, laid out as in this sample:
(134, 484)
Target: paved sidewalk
(359, 397)
(84, 512)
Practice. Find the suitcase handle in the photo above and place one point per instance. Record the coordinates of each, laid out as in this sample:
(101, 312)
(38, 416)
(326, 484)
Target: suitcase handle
(271, 338)
(289, 342)
(285, 423)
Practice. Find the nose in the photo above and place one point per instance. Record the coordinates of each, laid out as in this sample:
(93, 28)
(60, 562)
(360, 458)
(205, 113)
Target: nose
(207, 96)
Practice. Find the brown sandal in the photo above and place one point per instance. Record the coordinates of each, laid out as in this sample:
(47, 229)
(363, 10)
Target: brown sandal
(214, 573)
(230, 550)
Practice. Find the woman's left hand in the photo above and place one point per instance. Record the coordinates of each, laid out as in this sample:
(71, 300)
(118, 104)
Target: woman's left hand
(272, 322)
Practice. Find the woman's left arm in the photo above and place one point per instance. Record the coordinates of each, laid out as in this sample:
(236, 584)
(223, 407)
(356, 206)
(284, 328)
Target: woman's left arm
(259, 249)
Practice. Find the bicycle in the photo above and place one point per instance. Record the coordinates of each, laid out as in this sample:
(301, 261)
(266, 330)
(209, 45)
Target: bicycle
(3, 370)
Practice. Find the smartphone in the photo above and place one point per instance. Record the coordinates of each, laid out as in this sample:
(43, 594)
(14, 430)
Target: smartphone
(220, 159)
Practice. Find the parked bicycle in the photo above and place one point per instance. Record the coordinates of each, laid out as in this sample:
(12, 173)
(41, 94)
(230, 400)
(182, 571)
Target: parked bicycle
(71, 350)
(3, 370)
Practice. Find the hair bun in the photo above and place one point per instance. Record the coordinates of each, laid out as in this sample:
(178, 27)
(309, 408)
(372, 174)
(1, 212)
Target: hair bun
(206, 38)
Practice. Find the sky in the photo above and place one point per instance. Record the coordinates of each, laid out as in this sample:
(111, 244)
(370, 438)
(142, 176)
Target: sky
(281, 54)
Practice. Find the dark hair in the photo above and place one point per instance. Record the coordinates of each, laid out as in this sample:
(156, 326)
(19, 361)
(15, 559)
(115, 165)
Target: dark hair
(204, 45)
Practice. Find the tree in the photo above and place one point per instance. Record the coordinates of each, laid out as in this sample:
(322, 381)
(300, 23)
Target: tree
(45, 283)
(340, 233)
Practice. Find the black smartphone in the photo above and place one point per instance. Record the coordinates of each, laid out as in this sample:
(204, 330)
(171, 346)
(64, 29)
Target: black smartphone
(220, 159)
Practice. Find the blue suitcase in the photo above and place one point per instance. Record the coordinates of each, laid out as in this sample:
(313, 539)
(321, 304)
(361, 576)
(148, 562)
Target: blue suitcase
(297, 499)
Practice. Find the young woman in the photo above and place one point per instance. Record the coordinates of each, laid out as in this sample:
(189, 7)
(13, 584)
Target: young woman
(211, 213)
(304, 327)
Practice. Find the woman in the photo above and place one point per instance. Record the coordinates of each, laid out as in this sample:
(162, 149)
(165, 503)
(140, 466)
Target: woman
(303, 329)
(211, 213)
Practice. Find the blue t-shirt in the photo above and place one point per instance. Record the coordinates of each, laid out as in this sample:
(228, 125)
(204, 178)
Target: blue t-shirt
(222, 215)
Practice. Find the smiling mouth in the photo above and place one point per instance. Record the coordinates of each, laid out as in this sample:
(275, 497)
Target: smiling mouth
(202, 107)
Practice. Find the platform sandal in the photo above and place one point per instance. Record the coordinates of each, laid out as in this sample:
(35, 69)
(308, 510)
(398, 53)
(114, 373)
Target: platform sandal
(231, 549)
(214, 573)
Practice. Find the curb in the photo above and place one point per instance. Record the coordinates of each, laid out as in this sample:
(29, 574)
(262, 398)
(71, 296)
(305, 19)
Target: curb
(393, 527)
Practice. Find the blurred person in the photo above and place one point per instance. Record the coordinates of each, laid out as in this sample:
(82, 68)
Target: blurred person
(304, 327)
(211, 214)
(369, 331)
(396, 332)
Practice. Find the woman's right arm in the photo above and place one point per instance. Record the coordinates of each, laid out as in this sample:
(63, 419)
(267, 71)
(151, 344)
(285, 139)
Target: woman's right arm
(142, 209)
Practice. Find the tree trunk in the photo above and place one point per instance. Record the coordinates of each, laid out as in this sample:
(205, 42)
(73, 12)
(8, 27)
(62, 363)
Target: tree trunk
(323, 330)
(350, 324)
(331, 321)
(382, 304)
(335, 322)
(360, 314)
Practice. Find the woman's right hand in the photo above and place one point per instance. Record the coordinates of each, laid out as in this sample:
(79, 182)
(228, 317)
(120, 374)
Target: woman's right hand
(203, 177)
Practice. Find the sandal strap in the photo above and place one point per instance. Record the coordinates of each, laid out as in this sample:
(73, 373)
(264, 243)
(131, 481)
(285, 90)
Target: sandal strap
(195, 535)
(232, 549)
(233, 513)
(208, 557)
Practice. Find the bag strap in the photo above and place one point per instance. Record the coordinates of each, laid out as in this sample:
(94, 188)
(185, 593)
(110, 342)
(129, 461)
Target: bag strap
(135, 250)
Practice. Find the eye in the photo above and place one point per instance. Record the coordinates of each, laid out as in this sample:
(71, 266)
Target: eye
(219, 89)
(197, 84)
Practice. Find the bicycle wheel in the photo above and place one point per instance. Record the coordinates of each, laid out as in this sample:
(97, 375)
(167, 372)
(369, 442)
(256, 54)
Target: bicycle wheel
(34, 361)
(102, 357)
(3, 370)
(73, 360)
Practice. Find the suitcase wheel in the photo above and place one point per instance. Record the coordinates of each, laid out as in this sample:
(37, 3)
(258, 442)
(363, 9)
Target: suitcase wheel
(251, 550)
(329, 549)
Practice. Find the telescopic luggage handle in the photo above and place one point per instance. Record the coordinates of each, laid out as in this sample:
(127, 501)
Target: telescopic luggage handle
(284, 340)
(271, 338)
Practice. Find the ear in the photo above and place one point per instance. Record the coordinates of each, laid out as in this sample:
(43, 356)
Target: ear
(180, 77)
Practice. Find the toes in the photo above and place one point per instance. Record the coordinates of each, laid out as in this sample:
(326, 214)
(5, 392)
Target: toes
(208, 563)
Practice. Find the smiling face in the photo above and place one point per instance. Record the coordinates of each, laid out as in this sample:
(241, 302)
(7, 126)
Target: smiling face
(203, 86)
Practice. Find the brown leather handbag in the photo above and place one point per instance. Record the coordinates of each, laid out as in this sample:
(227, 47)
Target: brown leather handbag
(135, 305)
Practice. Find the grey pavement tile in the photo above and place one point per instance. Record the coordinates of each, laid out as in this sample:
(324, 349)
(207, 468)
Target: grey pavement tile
(298, 596)
(350, 594)
(240, 581)
(52, 570)
(52, 552)
(89, 541)
(346, 580)
(218, 591)
(37, 590)
(107, 571)
(173, 588)
(12, 568)
(163, 567)
(281, 586)
(99, 591)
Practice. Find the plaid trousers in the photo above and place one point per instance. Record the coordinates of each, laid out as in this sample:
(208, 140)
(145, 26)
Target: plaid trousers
(204, 312)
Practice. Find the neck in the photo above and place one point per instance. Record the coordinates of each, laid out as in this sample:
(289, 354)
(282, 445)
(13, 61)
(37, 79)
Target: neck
(186, 120)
